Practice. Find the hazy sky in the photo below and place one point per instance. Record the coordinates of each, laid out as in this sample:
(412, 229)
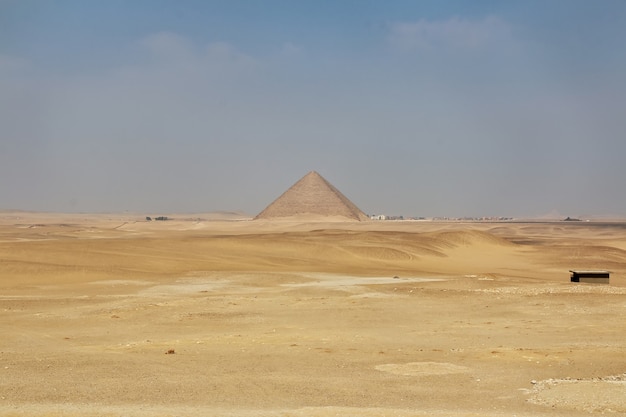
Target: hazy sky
(420, 108)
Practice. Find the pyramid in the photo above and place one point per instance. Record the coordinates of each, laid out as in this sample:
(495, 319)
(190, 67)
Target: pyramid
(312, 195)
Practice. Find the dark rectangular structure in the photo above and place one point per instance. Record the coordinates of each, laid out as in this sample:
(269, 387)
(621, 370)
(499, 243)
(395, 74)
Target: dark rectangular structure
(595, 277)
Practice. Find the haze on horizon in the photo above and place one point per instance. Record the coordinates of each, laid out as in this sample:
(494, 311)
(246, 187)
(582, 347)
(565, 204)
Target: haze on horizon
(430, 108)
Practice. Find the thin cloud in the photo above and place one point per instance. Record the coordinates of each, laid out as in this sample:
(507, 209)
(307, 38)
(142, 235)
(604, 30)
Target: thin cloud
(174, 50)
(223, 53)
(454, 33)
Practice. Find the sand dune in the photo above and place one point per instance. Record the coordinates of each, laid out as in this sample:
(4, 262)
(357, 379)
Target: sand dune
(302, 318)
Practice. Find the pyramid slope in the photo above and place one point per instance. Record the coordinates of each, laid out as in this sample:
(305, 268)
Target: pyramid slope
(312, 195)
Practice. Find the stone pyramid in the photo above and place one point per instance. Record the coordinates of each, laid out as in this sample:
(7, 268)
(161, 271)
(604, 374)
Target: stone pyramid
(312, 195)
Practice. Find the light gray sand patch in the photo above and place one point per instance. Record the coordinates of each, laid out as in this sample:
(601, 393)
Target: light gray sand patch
(322, 280)
(120, 282)
(184, 287)
(422, 368)
(593, 395)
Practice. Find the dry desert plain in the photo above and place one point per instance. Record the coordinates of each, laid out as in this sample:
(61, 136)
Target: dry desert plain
(110, 315)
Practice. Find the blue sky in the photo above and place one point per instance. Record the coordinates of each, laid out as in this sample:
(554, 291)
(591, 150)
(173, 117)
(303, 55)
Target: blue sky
(420, 108)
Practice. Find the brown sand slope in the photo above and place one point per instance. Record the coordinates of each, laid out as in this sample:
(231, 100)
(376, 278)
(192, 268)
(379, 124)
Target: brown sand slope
(309, 319)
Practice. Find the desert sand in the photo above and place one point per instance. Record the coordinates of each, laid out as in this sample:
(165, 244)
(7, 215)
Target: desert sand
(110, 315)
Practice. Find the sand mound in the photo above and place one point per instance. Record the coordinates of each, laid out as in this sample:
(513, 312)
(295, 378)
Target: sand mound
(469, 238)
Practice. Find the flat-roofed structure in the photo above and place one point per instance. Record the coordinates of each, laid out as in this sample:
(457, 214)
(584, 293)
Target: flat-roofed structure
(595, 277)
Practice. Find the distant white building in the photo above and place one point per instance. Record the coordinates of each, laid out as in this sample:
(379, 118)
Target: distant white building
(378, 217)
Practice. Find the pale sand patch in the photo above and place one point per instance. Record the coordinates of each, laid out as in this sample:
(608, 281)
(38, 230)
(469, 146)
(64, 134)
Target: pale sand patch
(326, 280)
(422, 368)
(542, 289)
(375, 295)
(124, 282)
(597, 395)
(184, 287)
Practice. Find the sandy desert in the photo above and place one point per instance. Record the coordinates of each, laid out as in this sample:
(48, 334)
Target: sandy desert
(112, 315)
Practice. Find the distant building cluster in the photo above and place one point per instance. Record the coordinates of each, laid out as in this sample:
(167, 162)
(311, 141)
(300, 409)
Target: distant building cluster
(447, 219)
(378, 217)
(387, 217)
